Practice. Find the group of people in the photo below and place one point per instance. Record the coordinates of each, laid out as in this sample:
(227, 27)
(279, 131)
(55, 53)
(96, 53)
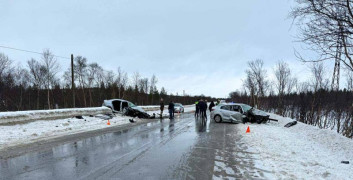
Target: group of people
(201, 108)
(170, 109)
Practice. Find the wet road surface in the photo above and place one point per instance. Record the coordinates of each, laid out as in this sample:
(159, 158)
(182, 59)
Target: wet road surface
(184, 148)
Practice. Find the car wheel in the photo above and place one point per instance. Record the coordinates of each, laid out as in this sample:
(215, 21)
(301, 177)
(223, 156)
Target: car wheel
(260, 120)
(218, 119)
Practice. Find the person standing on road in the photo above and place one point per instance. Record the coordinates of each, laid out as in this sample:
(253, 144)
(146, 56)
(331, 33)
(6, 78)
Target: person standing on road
(171, 110)
(203, 108)
(197, 111)
(211, 106)
(161, 107)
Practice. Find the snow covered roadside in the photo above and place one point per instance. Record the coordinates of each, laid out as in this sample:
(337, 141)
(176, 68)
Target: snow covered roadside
(23, 116)
(25, 133)
(12, 135)
(299, 152)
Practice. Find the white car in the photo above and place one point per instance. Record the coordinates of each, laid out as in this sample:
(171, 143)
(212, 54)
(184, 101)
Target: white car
(120, 105)
(231, 112)
(237, 112)
(178, 108)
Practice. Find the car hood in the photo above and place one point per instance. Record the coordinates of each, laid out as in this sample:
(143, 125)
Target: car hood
(138, 108)
(257, 112)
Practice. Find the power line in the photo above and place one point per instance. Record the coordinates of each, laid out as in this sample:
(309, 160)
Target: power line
(28, 51)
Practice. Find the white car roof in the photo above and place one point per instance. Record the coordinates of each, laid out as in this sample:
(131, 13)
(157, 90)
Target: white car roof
(116, 100)
(232, 104)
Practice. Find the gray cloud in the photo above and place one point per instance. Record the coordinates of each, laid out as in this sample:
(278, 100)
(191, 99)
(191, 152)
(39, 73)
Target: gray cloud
(199, 46)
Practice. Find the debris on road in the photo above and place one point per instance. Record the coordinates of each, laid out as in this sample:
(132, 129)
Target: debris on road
(290, 124)
(345, 162)
(136, 113)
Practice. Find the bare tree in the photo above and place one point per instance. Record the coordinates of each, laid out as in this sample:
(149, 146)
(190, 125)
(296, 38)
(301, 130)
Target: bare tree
(303, 87)
(37, 72)
(153, 87)
(143, 85)
(135, 79)
(318, 76)
(349, 78)
(80, 69)
(93, 71)
(5, 64)
(21, 80)
(51, 69)
(250, 85)
(326, 27)
(257, 77)
(124, 82)
(292, 85)
(282, 74)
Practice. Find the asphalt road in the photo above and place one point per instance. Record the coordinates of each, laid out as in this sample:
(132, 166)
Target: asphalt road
(183, 148)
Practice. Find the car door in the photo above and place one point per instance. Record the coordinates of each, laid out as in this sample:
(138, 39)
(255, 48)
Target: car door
(225, 111)
(235, 113)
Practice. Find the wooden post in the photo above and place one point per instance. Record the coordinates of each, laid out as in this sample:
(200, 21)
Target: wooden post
(72, 80)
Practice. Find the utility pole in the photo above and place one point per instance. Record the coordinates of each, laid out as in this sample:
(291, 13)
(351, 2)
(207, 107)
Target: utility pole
(72, 80)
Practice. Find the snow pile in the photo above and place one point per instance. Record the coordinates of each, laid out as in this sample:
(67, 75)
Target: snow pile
(299, 152)
(41, 130)
(22, 116)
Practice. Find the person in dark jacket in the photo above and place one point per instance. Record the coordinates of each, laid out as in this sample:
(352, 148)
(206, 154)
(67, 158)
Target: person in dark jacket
(211, 106)
(171, 110)
(203, 107)
(161, 106)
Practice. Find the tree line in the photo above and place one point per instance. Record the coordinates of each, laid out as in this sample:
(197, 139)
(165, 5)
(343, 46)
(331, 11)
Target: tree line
(326, 29)
(312, 101)
(38, 85)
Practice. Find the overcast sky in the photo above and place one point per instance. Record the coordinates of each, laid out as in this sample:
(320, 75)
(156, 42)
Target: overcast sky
(200, 46)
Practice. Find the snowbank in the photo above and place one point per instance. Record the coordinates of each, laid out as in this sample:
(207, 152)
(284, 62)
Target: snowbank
(23, 116)
(43, 129)
(299, 152)
(23, 133)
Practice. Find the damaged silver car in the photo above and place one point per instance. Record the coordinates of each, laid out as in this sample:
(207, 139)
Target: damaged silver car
(126, 108)
(238, 113)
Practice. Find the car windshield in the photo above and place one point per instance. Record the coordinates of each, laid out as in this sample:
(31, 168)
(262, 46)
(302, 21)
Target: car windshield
(131, 104)
(177, 104)
(245, 107)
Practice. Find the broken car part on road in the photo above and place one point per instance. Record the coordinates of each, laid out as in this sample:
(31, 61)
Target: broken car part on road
(290, 124)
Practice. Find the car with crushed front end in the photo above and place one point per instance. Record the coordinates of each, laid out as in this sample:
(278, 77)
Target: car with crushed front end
(126, 108)
(238, 113)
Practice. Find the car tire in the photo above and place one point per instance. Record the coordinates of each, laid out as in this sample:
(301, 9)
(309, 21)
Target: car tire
(217, 118)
